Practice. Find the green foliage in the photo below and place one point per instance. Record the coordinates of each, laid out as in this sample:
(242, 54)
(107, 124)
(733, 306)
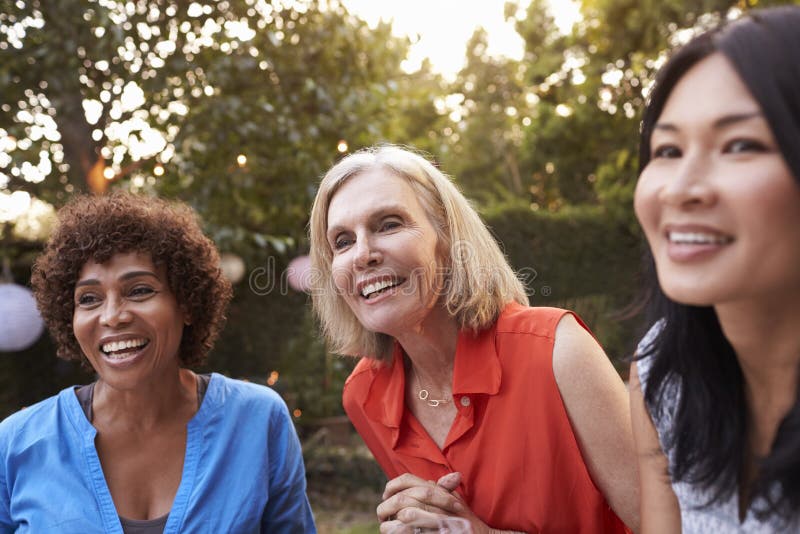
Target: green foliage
(575, 252)
(276, 82)
(584, 259)
(284, 103)
(485, 98)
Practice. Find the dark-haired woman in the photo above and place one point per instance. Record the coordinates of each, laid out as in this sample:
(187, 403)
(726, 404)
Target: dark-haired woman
(717, 418)
(131, 287)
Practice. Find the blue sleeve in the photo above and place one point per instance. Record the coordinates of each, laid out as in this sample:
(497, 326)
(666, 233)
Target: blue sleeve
(287, 509)
(6, 525)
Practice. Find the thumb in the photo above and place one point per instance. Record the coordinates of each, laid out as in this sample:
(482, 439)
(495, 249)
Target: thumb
(450, 481)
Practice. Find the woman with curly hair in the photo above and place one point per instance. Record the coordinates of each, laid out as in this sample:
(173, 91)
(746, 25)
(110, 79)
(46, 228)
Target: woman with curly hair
(714, 390)
(132, 288)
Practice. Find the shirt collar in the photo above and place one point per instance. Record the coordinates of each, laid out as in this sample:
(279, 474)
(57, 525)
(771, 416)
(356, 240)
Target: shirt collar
(477, 366)
(386, 397)
(477, 371)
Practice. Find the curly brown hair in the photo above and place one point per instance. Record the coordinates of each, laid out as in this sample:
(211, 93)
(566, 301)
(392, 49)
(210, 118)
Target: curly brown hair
(98, 227)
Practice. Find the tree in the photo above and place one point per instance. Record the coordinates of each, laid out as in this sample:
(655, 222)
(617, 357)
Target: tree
(485, 101)
(283, 109)
(101, 90)
(88, 83)
(581, 146)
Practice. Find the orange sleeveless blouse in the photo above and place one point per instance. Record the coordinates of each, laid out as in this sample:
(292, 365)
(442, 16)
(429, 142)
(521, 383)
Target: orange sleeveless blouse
(511, 439)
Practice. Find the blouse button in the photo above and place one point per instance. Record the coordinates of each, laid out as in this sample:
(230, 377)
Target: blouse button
(465, 401)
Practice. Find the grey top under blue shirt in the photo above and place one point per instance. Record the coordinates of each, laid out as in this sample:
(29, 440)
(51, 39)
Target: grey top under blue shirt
(243, 469)
(85, 396)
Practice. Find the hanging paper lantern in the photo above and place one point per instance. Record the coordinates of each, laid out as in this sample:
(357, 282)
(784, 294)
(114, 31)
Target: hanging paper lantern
(20, 322)
(298, 273)
(233, 267)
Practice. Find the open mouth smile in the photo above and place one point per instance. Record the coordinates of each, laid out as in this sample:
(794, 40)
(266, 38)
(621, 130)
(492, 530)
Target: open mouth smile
(122, 349)
(373, 289)
(698, 238)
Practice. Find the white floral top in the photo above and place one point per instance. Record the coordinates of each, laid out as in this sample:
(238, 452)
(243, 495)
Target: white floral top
(718, 518)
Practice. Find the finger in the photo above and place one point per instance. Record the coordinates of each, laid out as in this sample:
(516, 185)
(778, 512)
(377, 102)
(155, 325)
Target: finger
(450, 481)
(420, 519)
(395, 527)
(429, 498)
(404, 481)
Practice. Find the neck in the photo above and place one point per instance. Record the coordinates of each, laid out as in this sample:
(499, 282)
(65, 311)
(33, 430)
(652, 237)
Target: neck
(173, 396)
(767, 346)
(431, 350)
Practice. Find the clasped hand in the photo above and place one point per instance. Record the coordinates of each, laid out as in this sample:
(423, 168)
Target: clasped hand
(410, 503)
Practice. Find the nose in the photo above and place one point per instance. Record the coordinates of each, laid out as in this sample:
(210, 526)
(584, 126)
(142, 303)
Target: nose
(366, 253)
(691, 184)
(114, 313)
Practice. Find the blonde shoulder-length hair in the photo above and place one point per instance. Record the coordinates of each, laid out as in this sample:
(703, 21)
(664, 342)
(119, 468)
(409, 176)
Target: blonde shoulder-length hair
(479, 282)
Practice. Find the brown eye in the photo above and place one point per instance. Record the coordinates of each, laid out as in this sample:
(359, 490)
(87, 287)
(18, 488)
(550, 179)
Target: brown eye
(87, 300)
(141, 291)
(667, 151)
(738, 146)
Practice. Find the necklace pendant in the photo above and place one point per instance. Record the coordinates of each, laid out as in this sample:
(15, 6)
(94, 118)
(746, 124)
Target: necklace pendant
(423, 394)
(434, 403)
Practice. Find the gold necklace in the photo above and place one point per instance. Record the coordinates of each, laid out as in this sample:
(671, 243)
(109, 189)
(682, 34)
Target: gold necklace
(425, 396)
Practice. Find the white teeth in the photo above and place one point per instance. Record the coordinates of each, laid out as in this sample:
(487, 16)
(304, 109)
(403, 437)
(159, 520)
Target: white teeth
(377, 286)
(115, 346)
(698, 238)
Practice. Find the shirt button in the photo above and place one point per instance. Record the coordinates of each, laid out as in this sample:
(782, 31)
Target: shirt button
(465, 401)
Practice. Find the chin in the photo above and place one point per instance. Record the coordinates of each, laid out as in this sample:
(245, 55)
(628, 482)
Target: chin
(689, 296)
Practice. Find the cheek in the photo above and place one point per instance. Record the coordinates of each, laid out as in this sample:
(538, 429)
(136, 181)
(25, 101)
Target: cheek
(79, 330)
(341, 276)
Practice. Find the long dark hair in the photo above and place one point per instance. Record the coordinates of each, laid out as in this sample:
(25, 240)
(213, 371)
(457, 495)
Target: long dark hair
(708, 439)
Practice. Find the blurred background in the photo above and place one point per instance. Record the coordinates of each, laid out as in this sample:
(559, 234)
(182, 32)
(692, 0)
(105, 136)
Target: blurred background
(238, 107)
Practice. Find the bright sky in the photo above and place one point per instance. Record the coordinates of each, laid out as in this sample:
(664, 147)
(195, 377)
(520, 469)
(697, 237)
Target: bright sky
(444, 26)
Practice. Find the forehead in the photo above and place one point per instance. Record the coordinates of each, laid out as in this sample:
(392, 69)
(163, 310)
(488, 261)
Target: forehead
(709, 89)
(371, 191)
(119, 264)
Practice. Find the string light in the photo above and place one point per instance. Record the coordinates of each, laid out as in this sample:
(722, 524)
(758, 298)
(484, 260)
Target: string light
(158, 170)
(241, 160)
(297, 412)
(273, 377)
(342, 146)
(108, 173)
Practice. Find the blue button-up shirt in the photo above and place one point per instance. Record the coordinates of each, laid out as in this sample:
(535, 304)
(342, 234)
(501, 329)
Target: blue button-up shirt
(242, 472)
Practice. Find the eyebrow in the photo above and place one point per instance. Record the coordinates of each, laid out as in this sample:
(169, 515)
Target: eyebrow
(721, 122)
(126, 276)
(382, 211)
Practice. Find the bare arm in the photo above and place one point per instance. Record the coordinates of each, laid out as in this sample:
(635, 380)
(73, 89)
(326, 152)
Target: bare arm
(598, 409)
(659, 507)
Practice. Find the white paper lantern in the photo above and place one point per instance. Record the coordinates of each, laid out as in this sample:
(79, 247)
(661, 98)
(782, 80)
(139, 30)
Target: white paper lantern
(20, 322)
(233, 267)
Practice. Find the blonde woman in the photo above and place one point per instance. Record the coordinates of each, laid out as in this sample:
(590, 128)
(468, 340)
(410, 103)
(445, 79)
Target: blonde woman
(515, 411)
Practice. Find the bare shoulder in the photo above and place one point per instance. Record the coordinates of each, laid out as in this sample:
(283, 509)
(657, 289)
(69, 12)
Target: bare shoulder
(577, 356)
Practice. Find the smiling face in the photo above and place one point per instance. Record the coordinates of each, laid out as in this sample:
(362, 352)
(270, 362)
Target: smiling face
(718, 204)
(127, 321)
(385, 261)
